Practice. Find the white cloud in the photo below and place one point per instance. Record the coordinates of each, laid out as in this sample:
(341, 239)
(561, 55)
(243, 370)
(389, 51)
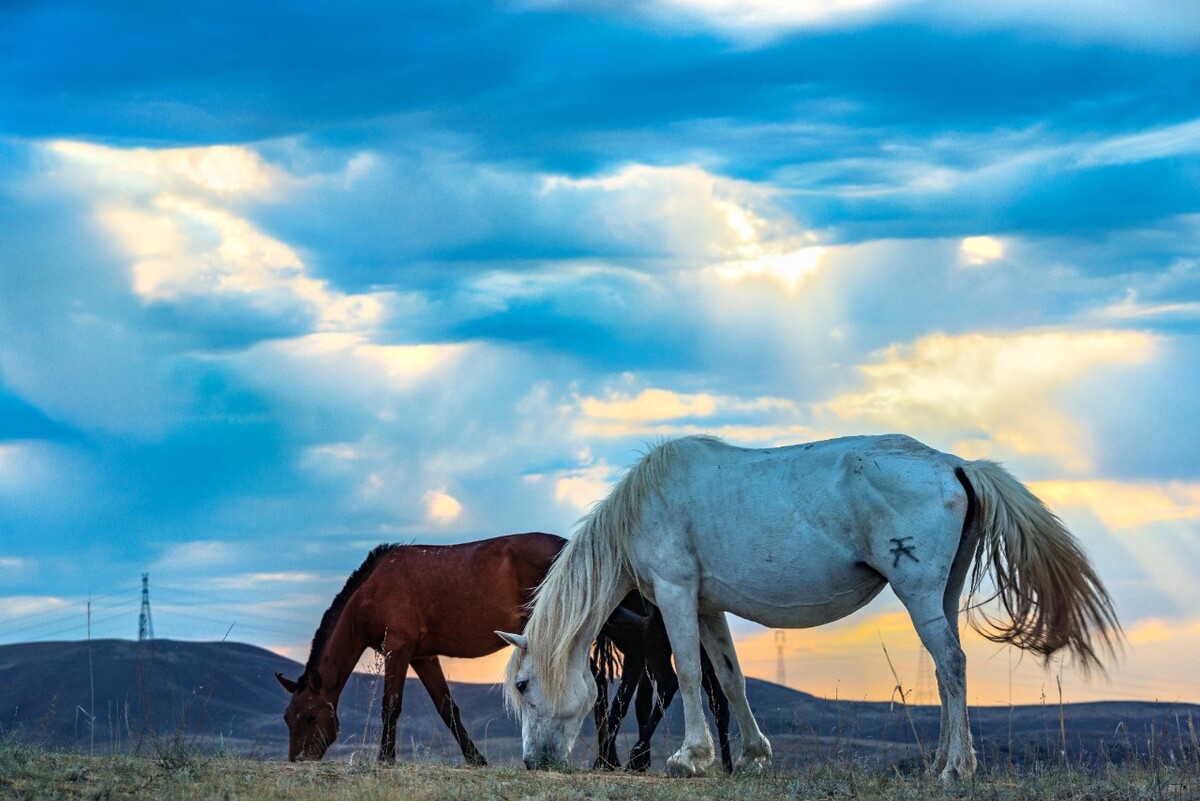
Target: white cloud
(1157, 143)
(731, 228)
(13, 564)
(172, 213)
(184, 556)
(977, 250)
(581, 488)
(1125, 505)
(991, 392)
(1165, 24)
(661, 412)
(222, 170)
(441, 507)
(12, 606)
(347, 370)
(247, 581)
(755, 21)
(1131, 308)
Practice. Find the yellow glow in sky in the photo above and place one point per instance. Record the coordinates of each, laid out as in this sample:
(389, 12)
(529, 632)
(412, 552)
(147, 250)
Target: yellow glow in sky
(976, 250)
(441, 507)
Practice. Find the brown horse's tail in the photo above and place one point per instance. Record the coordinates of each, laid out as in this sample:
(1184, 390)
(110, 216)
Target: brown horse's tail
(1049, 592)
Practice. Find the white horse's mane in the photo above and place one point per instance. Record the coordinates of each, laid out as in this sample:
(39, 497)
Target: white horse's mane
(571, 601)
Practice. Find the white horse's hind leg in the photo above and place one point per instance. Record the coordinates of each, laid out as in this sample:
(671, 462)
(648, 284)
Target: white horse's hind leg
(956, 753)
(714, 633)
(679, 611)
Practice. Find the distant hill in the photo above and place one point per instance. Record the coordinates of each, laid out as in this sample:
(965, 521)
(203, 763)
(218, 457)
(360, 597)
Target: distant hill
(211, 696)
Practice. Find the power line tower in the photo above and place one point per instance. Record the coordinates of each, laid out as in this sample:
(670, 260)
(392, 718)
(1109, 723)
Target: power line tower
(924, 694)
(780, 670)
(145, 624)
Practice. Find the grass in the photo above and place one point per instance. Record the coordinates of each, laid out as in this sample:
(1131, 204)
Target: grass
(32, 772)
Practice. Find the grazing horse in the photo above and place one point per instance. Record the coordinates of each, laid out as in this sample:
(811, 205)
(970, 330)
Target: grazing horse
(636, 628)
(796, 537)
(413, 603)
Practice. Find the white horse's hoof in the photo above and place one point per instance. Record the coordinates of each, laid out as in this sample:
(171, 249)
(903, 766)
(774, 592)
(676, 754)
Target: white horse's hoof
(958, 769)
(753, 766)
(756, 757)
(686, 765)
(681, 768)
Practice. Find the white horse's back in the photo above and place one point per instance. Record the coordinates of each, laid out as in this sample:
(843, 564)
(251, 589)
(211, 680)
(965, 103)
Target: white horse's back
(803, 535)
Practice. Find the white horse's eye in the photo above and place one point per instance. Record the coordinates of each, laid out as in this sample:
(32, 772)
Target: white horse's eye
(522, 686)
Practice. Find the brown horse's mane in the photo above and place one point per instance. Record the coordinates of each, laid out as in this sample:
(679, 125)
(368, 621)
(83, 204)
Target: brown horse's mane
(330, 618)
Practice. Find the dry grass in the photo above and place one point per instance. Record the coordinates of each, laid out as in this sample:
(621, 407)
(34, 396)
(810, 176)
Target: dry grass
(34, 773)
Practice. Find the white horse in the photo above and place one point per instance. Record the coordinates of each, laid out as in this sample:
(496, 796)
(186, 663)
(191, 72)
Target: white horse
(796, 537)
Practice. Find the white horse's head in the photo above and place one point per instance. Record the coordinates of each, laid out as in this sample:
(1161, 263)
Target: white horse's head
(550, 718)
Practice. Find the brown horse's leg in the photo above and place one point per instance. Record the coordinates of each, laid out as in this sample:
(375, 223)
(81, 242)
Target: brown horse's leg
(429, 670)
(395, 670)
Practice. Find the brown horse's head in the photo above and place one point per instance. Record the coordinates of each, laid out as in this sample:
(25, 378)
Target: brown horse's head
(311, 717)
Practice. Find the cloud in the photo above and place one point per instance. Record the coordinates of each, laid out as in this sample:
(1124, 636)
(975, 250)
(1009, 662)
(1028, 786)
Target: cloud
(196, 554)
(170, 213)
(1167, 25)
(977, 250)
(699, 219)
(1124, 505)
(583, 487)
(441, 507)
(662, 412)
(248, 581)
(991, 394)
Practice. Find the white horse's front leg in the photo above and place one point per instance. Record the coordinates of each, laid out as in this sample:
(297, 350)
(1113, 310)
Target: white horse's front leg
(679, 610)
(714, 633)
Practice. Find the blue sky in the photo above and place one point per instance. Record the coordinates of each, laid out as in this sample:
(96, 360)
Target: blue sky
(279, 283)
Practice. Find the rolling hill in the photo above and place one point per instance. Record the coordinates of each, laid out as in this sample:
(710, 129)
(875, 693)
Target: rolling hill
(115, 695)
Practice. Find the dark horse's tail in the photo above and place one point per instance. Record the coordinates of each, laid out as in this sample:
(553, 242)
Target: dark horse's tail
(606, 660)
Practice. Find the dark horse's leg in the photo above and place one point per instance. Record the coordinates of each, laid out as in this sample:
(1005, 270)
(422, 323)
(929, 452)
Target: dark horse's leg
(429, 670)
(655, 691)
(632, 672)
(395, 670)
(719, 705)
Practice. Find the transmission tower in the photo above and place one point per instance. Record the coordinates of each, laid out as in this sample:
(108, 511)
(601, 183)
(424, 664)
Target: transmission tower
(145, 624)
(924, 691)
(780, 671)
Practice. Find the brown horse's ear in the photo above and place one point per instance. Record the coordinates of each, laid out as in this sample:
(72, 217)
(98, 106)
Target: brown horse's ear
(288, 684)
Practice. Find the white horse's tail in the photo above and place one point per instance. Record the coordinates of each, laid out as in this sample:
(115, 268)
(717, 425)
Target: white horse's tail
(1045, 585)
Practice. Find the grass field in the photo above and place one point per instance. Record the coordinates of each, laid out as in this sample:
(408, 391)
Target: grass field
(30, 772)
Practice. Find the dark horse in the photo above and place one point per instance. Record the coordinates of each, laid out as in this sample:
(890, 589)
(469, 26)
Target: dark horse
(636, 628)
(412, 604)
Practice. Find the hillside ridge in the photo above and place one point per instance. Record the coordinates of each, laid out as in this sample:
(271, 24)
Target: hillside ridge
(224, 696)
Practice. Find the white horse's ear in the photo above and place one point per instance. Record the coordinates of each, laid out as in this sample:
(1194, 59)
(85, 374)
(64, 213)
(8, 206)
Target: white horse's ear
(516, 640)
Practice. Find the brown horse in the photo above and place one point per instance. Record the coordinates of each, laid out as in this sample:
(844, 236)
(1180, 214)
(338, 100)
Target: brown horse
(413, 603)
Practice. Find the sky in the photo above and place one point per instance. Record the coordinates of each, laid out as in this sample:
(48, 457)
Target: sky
(280, 282)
